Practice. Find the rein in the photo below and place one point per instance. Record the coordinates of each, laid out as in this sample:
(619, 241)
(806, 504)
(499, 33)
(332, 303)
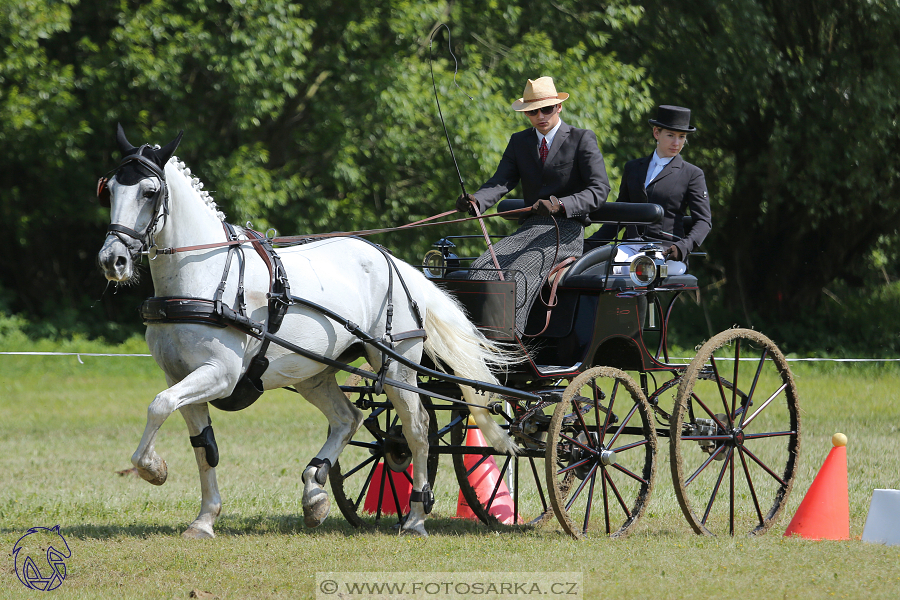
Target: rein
(153, 251)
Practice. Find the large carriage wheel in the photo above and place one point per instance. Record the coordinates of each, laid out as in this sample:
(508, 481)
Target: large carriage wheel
(379, 441)
(735, 435)
(603, 433)
(528, 497)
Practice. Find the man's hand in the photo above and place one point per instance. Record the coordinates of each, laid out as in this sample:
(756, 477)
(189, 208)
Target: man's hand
(465, 203)
(673, 253)
(547, 207)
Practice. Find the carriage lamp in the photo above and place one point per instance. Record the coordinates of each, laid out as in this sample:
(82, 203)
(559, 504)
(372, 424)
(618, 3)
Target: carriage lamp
(647, 269)
(440, 261)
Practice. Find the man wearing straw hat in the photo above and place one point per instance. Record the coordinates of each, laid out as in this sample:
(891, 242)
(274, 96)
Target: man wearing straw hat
(563, 180)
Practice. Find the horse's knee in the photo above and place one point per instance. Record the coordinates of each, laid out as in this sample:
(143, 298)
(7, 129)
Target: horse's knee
(162, 406)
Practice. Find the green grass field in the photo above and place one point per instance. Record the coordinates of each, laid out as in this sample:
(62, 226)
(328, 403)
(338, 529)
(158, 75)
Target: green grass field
(67, 428)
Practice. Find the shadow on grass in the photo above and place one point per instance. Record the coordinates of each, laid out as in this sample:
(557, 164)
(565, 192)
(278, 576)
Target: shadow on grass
(262, 524)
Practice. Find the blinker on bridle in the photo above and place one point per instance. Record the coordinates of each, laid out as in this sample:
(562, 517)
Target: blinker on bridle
(161, 201)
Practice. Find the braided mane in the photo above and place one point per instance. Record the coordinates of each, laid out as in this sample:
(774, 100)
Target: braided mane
(198, 187)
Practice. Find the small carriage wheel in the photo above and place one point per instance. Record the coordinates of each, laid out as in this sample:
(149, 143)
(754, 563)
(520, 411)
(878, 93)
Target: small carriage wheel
(735, 435)
(352, 482)
(530, 503)
(602, 432)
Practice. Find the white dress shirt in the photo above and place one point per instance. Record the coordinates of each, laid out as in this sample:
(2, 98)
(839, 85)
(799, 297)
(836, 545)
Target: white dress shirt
(657, 164)
(550, 135)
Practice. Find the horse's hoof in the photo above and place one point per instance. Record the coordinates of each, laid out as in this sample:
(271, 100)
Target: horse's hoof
(418, 530)
(195, 533)
(158, 477)
(316, 511)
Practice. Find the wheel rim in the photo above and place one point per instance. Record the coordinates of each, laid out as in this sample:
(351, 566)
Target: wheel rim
(601, 454)
(354, 476)
(735, 435)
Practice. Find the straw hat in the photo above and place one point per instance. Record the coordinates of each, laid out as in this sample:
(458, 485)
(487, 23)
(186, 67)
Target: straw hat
(538, 93)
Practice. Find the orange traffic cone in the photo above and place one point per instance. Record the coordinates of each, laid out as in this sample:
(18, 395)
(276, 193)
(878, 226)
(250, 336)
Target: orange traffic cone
(484, 480)
(401, 484)
(824, 513)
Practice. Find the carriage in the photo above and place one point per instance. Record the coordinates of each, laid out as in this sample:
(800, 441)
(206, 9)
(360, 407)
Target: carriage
(731, 415)
(576, 424)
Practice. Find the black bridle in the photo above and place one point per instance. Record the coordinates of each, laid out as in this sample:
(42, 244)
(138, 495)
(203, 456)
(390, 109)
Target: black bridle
(160, 204)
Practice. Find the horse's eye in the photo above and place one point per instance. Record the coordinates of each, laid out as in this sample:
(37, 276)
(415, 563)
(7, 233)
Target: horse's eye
(149, 193)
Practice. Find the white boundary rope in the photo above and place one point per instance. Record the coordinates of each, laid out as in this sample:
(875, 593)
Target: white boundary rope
(80, 354)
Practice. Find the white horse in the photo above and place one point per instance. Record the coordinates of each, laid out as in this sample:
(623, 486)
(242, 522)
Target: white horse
(156, 203)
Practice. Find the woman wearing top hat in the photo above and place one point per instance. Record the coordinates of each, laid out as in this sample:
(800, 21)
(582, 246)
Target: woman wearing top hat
(665, 178)
(563, 179)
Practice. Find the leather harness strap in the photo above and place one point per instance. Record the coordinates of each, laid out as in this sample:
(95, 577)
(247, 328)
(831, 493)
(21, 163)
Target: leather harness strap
(555, 275)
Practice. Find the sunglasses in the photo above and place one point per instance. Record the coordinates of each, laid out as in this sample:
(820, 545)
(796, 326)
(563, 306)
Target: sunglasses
(547, 110)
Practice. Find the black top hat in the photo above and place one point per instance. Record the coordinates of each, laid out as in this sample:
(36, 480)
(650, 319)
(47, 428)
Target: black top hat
(676, 118)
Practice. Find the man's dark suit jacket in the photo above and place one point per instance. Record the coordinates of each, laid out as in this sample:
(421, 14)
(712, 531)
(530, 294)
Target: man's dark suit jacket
(574, 172)
(678, 186)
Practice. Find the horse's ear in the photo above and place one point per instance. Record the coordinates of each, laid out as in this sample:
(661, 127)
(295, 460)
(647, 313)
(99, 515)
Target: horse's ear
(124, 145)
(165, 153)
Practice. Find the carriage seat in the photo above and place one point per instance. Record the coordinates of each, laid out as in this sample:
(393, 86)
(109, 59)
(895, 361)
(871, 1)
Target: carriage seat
(589, 272)
(622, 213)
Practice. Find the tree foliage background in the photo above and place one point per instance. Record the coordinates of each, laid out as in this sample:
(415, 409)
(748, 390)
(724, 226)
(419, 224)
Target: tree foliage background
(311, 117)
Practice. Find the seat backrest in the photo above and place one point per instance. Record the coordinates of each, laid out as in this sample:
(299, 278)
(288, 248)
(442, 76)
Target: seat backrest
(623, 213)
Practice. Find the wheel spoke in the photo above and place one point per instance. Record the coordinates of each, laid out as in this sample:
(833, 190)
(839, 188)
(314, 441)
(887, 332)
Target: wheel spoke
(579, 444)
(750, 485)
(384, 470)
(734, 381)
(731, 492)
(360, 466)
(764, 467)
(636, 444)
(590, 504)
(584, 427)
(715, 492)
(605, 501)
(615, 489)
(537, 482)
(712, 360)
(765, 404)
(480, 462)
(708, 411)
(366, 445)
(393, 487)
(757, 436)
(580, 487)
(622, 426)
(612, 400)
(630, 474)
(759, 368)
(711, 458)
(365, 486)
(490, 501)
(574, 466)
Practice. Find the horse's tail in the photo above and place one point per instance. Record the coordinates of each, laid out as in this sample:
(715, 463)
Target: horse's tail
(455, 342)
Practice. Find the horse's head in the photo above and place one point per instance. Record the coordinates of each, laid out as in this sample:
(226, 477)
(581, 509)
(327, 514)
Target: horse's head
(138, 198)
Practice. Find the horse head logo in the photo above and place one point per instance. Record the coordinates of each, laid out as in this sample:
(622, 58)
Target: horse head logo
(51, 543)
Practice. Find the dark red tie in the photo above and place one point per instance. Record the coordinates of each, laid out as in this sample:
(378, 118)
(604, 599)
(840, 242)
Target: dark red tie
(544, 151)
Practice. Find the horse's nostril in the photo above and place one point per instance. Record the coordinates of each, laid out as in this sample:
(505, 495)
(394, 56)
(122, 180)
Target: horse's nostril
(121, 262)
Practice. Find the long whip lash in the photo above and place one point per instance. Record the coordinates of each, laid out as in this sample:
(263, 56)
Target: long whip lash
(462, 183)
